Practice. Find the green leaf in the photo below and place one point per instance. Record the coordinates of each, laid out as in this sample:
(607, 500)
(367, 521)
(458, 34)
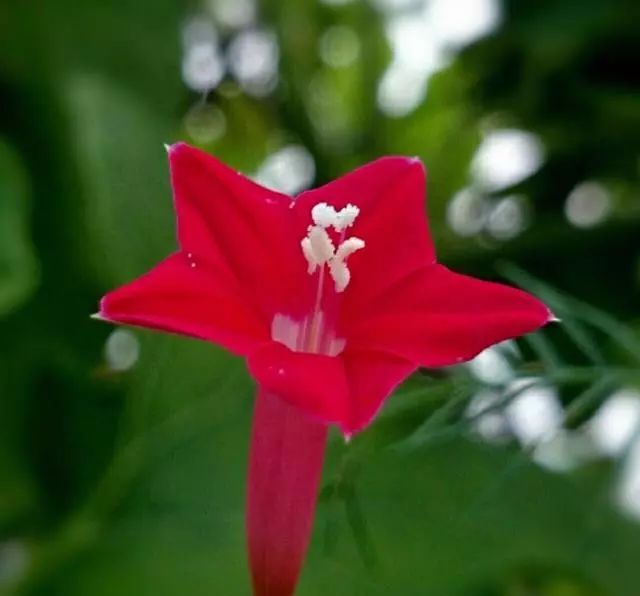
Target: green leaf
(448, 520)
(124, 172)
(18, 265)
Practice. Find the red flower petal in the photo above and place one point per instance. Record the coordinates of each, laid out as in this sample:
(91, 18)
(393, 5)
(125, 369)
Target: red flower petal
(438, 317)
(390, 193)
(314, 383)
(228, 219)
(372, 378)
(197, 301)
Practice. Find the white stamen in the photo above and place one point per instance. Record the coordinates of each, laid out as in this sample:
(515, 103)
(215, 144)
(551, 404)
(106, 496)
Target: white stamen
(348, 247)
(318, 248)
(321, 245)
(340, 274)
(323, 215)
(345, 217)
(305, 243)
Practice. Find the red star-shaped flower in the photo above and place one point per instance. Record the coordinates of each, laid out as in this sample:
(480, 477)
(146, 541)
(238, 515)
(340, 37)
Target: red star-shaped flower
(334, 297)
(240, 279)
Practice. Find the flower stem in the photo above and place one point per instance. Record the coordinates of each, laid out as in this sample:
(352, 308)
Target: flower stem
(285, 466)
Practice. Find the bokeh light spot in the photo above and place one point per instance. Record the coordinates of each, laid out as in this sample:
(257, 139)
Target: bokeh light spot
(205, 123)
(467, 212)
(339, 46)
(616, 422)
(121, 350)
(536, 414)
(253, 57)
(202, 64)
(14, 559)
(290, 170)
(507, 218)
(588, 205)
(506, 157)
(458, 23)
(233, 14)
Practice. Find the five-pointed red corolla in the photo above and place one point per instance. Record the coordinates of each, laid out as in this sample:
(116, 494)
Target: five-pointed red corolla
(334, 297)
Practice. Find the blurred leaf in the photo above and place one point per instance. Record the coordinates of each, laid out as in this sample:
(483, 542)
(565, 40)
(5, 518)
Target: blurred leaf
(544, 350)
(442, 133)
(129, 215)
(437, 519)
(565, 305)
(19, 495)
(438, 530)
(18, 266)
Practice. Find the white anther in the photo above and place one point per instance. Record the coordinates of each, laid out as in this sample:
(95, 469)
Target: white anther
(305, 243)
(340, 274)
(345, 217)
(348, 247)
(318, 248)
(323, 215)
(321, 245)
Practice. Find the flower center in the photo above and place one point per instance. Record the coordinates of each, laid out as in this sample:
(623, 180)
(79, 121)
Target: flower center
(315, 334)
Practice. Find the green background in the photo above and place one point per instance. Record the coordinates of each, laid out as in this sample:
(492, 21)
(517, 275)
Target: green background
(131, 482)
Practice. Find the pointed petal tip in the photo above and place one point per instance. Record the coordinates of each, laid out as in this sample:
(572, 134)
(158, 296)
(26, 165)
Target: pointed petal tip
(407, 161)
(171, 148)
(412, 161)
(553, 319)
(98, 316)
(415, 161)
(178, 147)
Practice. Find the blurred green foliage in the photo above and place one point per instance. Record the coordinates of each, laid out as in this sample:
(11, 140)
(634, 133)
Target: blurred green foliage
(132, 482)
